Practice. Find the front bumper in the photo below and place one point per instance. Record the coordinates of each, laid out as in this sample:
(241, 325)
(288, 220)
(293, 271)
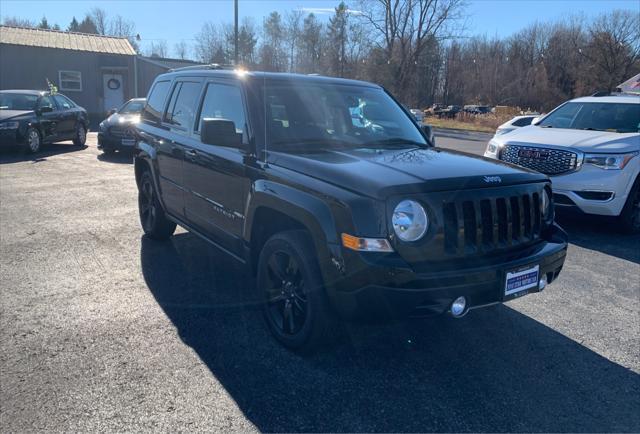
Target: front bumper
(109, 142)
(11, 138)
(391, 292)
(593, 179)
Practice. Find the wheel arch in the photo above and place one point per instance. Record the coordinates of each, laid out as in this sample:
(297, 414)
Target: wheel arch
(275, 207)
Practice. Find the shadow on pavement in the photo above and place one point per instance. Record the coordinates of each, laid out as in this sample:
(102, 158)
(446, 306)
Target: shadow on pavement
(494, 370)
(599, 233)
(16, 154)
(121, 157)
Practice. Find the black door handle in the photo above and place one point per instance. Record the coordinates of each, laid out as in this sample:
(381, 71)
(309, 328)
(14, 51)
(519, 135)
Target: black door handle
(191, 154)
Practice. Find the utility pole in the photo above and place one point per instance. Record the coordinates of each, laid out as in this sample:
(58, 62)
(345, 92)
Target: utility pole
(236, 33)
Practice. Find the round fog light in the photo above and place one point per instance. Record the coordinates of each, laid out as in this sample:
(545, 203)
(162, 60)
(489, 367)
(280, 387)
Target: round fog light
(458, 306)
(543, 283)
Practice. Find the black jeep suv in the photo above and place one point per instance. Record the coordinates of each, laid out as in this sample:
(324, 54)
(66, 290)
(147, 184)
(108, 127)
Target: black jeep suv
(338, 216)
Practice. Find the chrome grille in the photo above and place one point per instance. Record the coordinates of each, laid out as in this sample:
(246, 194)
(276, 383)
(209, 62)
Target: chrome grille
(120, 132)
(545, 160)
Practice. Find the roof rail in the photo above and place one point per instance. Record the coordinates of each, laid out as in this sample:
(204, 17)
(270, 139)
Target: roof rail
(602, 93)
(197, 67)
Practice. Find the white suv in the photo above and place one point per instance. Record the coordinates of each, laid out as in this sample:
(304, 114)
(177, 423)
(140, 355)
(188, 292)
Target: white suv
(590, 147)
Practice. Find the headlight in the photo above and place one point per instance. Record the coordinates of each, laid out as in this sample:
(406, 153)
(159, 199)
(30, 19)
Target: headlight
(9, 125)
(410, 221)
(609, 161)
(504, 131)
(492, 150)
(546, 205)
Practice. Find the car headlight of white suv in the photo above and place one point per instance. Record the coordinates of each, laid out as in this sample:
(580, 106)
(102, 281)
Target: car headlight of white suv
(609, 161)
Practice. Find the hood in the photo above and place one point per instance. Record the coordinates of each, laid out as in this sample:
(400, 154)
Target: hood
(122, 119)
(6, 115)
(380, 173)
(579, 140)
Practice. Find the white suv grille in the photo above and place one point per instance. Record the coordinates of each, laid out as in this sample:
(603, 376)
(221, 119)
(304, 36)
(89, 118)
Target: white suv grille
(545, 160)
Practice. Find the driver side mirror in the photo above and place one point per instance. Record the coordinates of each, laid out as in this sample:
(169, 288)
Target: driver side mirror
(428, 132)
(220, 132)
(112, 112)
(535, 121)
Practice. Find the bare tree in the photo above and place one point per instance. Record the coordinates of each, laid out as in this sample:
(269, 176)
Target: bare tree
(293, 23)
(310, 45)
(158, 49)
(100, 18)
(123, 28)
(210, 44)
(613, 47)
(181, 50)
(272, 53)
(18, 22)
(401, 29)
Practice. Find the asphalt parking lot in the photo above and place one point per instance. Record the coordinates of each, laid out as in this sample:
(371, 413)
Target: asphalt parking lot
(104, 329)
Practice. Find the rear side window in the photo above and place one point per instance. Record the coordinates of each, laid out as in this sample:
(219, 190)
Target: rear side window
(155, 102)
(183, 104)
(223, 102)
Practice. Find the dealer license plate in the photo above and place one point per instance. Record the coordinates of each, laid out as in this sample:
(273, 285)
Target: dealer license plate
(521, 280)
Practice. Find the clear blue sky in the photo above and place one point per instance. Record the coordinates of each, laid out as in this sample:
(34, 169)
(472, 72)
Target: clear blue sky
(180, 20)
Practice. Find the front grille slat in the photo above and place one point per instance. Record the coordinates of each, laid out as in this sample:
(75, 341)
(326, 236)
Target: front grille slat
(472, 226)
(545, 160)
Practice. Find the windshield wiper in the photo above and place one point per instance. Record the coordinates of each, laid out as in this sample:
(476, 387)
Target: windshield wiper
(397, 141)
(546, 126)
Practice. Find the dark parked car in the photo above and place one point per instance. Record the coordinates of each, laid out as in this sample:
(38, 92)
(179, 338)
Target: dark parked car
(338, 216)
(116, 133)
(31, 118)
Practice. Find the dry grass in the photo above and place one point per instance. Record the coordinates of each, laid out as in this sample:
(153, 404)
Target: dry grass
(464, 121)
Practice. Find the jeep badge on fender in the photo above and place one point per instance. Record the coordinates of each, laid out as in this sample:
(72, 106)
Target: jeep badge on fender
(334, 197)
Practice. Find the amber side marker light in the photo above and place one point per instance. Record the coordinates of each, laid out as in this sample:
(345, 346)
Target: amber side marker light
(366, 244)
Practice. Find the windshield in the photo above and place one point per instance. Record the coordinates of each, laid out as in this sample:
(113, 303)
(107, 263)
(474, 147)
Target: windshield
(132, 107)
(18, 101)
(335, 115)
(613, 117)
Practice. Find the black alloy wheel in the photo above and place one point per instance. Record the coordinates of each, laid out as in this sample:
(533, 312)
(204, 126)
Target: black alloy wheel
(152, 217)
(294, 300)
(287, 305)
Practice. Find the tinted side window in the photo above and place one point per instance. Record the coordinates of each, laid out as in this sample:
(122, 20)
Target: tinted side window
(63, 102)
(46, 101)
(155, 102)
(183, 104)
(224, 102)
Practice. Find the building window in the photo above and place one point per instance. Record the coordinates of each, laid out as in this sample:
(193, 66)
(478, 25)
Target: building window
(70, 80)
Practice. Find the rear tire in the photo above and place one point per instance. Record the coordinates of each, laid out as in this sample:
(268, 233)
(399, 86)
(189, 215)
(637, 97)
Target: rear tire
(80, 137)
(630, 216)
(153, 219)
(294, 302)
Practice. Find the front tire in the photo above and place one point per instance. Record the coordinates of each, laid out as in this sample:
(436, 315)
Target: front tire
(34, 141)
(153, 219)
(80, 137)
(294, 302)
(630, 216)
